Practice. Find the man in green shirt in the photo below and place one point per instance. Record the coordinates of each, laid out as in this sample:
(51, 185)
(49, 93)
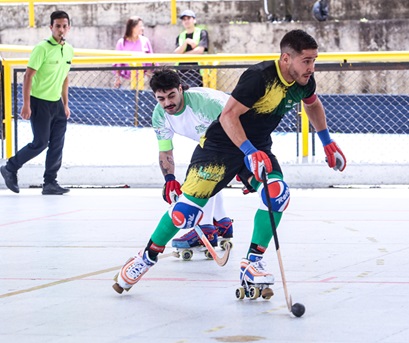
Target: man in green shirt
(45, 104)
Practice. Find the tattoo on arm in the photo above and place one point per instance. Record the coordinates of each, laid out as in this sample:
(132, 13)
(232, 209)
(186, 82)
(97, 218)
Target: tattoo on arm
(167, 167)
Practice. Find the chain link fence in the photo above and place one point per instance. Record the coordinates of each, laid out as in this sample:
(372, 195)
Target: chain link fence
(364, 102)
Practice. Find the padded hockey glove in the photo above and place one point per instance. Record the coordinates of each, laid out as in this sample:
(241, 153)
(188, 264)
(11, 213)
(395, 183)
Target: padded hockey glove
(246, 189)
(171, 189)
(256, 160)
(334, 155)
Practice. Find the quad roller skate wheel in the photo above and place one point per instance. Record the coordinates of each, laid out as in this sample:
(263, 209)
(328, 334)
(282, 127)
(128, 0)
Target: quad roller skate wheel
(208, 255)
(117, 288)
(267, 293)
(254, 292)
(223, 244)
(240, 293)
(187, 255)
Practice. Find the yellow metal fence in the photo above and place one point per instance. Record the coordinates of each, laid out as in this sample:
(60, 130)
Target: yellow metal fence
(212, 76)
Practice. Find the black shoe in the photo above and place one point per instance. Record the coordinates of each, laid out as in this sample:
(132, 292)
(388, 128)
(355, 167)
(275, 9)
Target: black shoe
(288, 18)
(10, 179)
(272, 18)
(53, 188)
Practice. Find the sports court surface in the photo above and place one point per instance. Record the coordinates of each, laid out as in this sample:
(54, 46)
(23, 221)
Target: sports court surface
(345, 253)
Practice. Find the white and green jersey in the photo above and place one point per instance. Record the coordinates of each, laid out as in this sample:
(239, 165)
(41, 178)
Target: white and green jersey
(202, 107)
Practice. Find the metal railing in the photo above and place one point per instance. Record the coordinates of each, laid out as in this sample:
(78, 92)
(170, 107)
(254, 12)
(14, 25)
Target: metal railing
(359, 80)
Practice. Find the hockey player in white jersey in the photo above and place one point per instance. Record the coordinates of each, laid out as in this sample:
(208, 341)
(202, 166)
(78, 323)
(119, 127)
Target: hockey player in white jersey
(187, 112)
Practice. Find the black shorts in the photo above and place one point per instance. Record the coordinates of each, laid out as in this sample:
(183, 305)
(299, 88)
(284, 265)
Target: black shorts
(210, 171)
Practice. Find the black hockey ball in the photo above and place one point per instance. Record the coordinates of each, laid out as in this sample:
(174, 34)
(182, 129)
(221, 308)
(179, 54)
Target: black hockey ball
(298, 309)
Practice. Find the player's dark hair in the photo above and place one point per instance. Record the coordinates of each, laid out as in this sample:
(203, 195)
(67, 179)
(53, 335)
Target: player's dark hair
(130, 24)
(164, 79)
(298, 40)
(59, 15)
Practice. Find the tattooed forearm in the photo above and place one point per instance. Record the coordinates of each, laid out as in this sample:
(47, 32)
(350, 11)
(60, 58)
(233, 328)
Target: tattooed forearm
(166, 162)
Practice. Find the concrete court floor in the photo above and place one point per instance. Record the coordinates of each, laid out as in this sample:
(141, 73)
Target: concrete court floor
(345, 254)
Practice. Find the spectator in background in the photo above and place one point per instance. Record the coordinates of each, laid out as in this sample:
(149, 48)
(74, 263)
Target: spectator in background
(193, 40)
(133, 40)
(272, 8)
(320, 10)
(45, 104)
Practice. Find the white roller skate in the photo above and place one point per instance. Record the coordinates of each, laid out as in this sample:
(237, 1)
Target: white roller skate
(255, 281)
(224, 231)
(190, 241)
(132, 271)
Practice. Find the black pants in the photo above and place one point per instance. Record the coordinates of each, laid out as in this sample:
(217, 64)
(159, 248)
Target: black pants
(48, 123)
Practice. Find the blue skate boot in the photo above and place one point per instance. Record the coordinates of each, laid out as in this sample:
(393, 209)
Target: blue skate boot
(254, 279)
(132, 271)
(190, 241)
(224, 231)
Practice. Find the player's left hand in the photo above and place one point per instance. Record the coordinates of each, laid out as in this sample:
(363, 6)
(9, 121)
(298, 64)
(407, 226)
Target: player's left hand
(335, 157)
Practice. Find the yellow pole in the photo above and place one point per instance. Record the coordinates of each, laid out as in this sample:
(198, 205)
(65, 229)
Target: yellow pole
(7, 109)
(213, 76)
(205, 75)
(31, 15)
(305, 125)
(141, 80)
(173, 12)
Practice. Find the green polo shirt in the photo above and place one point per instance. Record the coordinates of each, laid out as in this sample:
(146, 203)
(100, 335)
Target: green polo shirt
(52, 62)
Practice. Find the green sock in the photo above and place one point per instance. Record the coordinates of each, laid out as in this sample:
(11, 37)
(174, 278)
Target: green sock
(263, 233)
(165, 231)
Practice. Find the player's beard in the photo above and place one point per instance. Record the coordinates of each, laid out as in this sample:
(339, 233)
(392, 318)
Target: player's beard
(301, 79)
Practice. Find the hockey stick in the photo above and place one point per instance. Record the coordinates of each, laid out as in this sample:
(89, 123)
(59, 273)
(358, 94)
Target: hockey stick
(296, 309)
(221, 261)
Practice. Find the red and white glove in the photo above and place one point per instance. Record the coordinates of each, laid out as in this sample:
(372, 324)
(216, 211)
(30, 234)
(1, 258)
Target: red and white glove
(171, 189)
(256, 160)
(335, 157)
(245, 189)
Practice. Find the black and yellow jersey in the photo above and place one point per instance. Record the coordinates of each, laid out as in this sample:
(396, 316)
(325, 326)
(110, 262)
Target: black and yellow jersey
(263, 89)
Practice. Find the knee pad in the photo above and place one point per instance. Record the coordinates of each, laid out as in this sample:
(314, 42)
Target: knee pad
(185, 215)
(279, 195)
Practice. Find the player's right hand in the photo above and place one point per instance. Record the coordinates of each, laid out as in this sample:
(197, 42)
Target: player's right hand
(257, 162)
(25, 112)
(171, 189)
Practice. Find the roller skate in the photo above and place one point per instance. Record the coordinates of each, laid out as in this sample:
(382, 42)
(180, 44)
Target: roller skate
(224, 231)
(190, 241)
(255, 281)
(132, 271)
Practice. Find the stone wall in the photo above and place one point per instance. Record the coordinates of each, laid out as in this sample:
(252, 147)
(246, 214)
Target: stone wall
(208, 12)
(234, 26)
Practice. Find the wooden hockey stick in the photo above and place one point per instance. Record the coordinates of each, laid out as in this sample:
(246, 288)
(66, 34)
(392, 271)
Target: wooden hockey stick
(221, 261)
(277, 245)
